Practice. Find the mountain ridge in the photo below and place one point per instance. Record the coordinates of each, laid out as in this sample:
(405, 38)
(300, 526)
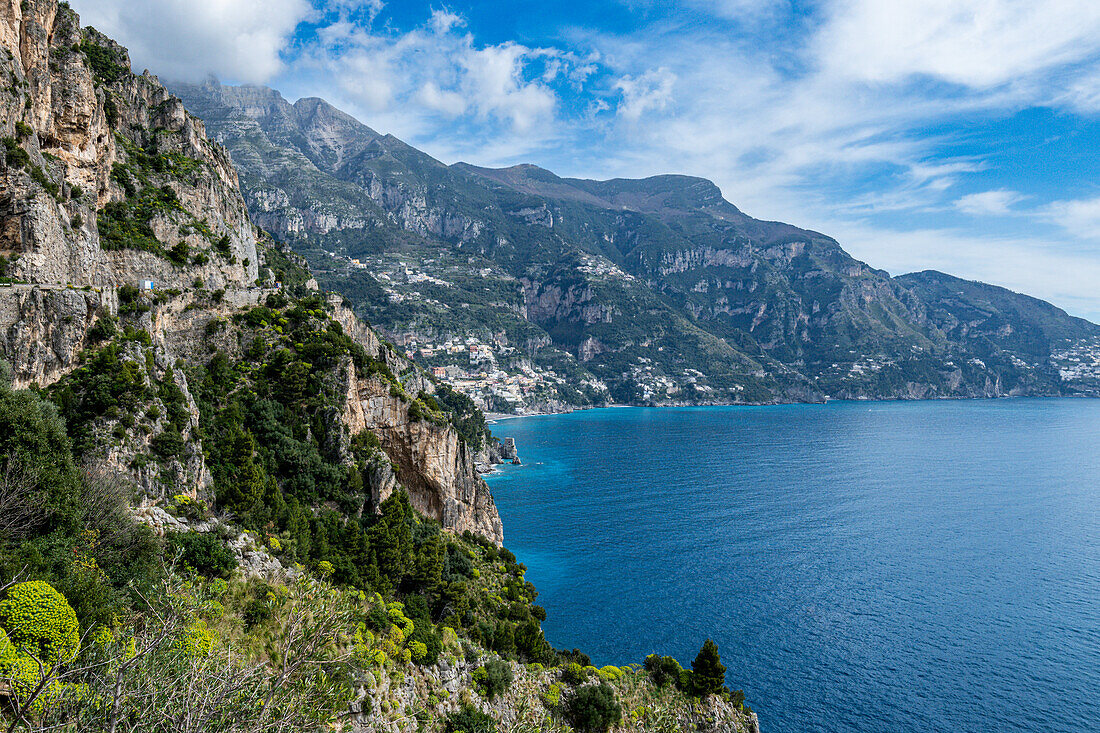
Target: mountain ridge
(651, 291)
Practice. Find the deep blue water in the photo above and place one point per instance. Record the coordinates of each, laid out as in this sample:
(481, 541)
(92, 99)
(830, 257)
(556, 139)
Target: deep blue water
(872, 567)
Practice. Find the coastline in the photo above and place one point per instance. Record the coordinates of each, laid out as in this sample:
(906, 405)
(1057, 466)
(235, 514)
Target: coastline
(495, 417)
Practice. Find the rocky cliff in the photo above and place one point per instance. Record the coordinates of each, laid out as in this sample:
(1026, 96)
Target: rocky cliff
(434, 465)
(129, 260)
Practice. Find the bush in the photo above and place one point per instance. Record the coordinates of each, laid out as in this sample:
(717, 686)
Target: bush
(15, 156)
(573, 674)
(203, 552)
(610, 673)
(38, 620)
(495, 677)
(663, 670)
(256, 612)
(469, 720)
(593, 708)
(552, 697)
(168, 443)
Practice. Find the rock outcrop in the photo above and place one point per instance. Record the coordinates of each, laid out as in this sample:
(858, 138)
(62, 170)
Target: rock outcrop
(435, 465)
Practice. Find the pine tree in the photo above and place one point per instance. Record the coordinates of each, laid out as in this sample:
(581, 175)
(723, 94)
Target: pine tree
(708, 673)
(427, 577)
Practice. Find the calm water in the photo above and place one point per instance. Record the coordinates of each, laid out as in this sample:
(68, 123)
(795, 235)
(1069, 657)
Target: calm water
(882, 567)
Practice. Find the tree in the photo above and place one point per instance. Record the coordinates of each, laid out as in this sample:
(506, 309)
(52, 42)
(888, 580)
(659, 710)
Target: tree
(593, 708)
(708, 672)
(428, 573)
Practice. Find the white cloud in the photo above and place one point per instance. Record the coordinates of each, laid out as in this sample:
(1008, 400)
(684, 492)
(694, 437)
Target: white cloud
(977, 43)
(989, 203)
(1080, 217)
(436, 87)
(494, 81)
(240, 40)
(1082, 94)
(649, 91)
(449, 103)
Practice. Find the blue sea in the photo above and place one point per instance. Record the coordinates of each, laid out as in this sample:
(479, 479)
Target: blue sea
(870, 567)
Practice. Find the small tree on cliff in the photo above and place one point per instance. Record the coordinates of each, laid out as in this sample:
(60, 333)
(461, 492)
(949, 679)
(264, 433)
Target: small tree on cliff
(708, 672)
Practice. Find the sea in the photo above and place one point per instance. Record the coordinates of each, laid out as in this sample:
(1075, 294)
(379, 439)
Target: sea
(871, 567)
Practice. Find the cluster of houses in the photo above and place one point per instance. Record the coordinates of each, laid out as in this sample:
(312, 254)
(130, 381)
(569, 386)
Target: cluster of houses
(471, 366)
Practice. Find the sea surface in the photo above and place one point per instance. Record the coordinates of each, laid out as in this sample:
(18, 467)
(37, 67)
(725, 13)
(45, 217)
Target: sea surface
(872, 567)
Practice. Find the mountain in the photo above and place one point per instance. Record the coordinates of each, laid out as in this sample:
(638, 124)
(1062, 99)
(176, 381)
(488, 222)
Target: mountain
(647, 291)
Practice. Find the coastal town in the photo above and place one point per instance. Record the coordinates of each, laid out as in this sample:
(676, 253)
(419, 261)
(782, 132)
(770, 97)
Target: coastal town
(489, 362)
(476, 369)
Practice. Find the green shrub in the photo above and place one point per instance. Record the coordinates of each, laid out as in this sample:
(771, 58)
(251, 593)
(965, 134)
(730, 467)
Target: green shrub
(202, 552)
(469, 720)
(494, 678)
(104, 329)
(552, 697)
(38, 620)
(610, 673)
(593, 708)
(179, 253)
(256, 612)
(168, 443)
(39, 176)
(14, 155)
(663, 670)
(102, 62)
(573, 674)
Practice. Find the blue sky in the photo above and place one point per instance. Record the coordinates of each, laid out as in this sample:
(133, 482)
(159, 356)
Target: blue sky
(960, 135)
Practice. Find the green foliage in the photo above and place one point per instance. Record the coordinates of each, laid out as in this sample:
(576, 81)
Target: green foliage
(40, 622)
(109, 384)
(14, 154)
(104, 64)
(494, 678)
(573, 674)
(202, 552)
(168, 443)
(23, 130)
(469, 719)
(104, 329)
(468, 420)
(552, 697)
(708, 674)
(18, 669)
(39, 176)
(593, 708)
(663, 670)
(127, 224)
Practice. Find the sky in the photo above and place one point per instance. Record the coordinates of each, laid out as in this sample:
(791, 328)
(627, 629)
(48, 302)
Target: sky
(957, 135)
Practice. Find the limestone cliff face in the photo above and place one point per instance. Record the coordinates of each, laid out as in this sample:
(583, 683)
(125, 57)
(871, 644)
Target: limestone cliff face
(43, 330)
(107, 181)
(435, 465)
(82, 132)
